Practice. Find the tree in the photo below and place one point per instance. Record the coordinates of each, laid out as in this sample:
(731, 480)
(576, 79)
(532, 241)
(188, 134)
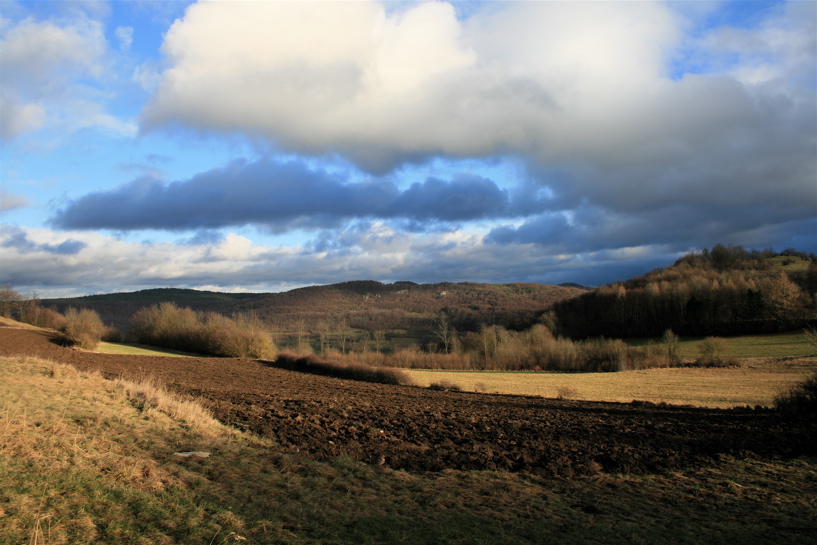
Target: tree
(343, 333)
(781, 297)
(445, 332)
(379, 339)
(670, 340)
(9, 299)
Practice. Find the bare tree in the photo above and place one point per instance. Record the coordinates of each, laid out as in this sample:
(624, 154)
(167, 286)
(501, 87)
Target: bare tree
(343, 333)
(9, 299)
(379, 339)
(445, 332)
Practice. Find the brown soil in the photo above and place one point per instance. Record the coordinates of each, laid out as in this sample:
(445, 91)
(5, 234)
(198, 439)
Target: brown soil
(425, 430)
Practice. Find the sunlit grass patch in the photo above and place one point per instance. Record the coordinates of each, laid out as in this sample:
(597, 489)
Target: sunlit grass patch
(130, 349)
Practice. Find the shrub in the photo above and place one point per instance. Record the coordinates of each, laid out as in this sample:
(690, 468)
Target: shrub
(713, 352)
(112, 335)
(363, 373)
(670, 340)
(168, 326)
(46, 318)
(444, 385)
(799, 401)
(83, 328)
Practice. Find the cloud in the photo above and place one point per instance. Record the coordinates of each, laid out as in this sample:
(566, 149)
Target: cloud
(9, 201)
(590, 95)
(18, 240)
(125, 36)
(39, 259)
(387, 88)
(55, 75)
(283, 196)
(39, 57)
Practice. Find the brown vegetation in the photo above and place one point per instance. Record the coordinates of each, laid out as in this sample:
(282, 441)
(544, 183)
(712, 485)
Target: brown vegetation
(82, 328)
(168, 326)
(352, 371)
(537, 349)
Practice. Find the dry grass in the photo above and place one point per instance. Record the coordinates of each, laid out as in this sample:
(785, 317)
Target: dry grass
(717, 387)
(131, 349)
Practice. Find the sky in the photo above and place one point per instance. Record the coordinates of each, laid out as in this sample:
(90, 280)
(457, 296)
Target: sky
(261, 146)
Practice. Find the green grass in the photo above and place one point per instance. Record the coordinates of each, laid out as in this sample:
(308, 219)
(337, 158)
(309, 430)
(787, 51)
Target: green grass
(788, 263)
(81, 462)
(777, 345)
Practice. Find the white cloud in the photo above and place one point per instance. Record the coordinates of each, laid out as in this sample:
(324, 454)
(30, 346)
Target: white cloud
(382, 88)
(17, 119)
(9, 201)
(125, 36)
(53, 76)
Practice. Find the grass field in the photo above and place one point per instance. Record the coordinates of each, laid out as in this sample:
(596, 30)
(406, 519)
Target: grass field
(84, 460)
(777, 345)
(118, 348)
(723, 388)
(769, 365)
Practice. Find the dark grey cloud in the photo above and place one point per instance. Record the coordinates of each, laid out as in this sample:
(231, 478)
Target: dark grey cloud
(282, 196)
(679, 228)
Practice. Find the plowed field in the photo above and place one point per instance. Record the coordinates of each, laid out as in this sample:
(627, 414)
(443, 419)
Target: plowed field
(424, 430)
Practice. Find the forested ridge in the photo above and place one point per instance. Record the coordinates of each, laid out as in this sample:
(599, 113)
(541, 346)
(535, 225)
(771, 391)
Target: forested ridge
(727, 290)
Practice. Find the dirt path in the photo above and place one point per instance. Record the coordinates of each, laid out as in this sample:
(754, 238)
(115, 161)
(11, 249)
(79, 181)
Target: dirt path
(418, 429)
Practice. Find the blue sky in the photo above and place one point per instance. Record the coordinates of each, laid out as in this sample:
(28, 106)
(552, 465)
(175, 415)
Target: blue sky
(262, 146)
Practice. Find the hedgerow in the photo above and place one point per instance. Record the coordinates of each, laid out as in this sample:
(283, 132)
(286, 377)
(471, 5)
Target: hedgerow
(168, 326)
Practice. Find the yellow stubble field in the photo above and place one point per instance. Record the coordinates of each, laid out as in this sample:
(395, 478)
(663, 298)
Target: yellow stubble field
(754, 383)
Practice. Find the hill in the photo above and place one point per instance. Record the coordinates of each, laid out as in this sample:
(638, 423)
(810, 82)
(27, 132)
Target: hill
(727, 290)
(366, 304)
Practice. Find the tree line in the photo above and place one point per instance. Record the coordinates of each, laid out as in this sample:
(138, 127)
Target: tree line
(727, 290)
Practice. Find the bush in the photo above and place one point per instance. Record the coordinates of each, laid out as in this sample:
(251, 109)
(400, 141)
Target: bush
(168, 326)
(800, 401)
(444, 385)
(82, 328)
(363, 373)
(713, 353)
(46, 318)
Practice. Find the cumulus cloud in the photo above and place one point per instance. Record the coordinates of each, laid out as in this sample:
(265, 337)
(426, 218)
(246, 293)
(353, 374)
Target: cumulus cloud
(591, 91)
(284, 196)
(388, 87)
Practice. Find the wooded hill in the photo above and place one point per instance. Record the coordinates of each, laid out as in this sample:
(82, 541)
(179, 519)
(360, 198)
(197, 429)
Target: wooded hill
(367, 305)
(722, 291)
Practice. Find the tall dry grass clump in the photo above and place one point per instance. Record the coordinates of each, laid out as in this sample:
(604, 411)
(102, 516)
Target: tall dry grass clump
(83, 328)
(168, 326)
